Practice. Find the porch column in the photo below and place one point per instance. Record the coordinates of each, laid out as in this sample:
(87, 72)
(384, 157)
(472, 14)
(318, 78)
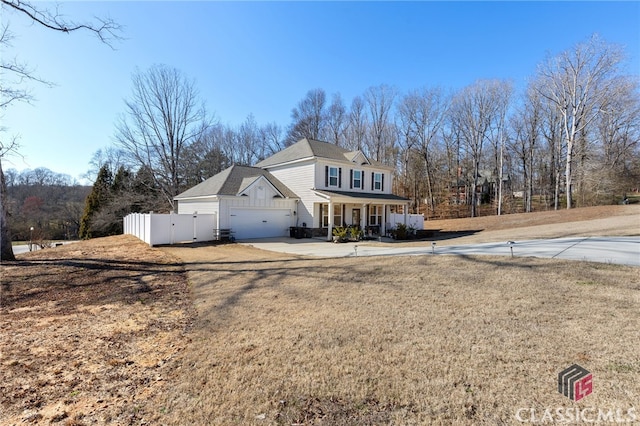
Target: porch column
(383, 225)
(404, 210)
(363, 218)
(330, 229)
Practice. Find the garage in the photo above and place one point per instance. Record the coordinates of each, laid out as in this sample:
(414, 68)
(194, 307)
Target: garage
(259, 223)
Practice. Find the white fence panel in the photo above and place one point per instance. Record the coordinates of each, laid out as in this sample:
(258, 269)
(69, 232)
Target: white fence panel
(415, 221)
(170, 228)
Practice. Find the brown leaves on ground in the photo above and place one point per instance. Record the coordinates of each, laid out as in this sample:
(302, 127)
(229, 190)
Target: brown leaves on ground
(89, 332)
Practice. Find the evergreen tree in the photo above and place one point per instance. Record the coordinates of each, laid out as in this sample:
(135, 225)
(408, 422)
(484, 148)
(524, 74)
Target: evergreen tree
(98, 198)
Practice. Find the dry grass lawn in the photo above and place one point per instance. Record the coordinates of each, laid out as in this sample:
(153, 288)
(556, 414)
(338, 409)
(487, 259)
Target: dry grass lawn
(89, 332)
(414, 340)
(280, 339)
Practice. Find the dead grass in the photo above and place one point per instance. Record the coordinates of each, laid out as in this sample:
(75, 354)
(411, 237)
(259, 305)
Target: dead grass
(415, 340)
(89, 332)
(105, 332)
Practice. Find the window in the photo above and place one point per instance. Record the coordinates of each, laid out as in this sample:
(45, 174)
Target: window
(377, 181)
(356, 181)
(337, 215)
(375, 215)
(333, 176)
(325, 215)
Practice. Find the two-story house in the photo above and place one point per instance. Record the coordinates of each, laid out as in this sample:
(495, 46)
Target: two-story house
(311, 183)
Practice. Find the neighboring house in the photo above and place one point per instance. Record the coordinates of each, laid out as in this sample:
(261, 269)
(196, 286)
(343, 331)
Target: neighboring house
(312, 184)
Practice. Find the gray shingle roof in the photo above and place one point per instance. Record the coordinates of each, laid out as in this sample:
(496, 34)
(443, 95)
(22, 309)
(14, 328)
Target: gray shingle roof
(232, 181)
(364, 195)
(309, 148)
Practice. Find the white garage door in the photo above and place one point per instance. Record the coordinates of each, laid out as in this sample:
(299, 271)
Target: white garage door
(259, 223)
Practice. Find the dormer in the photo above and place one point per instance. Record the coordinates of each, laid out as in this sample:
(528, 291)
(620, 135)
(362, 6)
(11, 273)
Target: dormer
(357, 157)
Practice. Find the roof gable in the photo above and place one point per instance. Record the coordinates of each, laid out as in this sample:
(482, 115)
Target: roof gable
(251, 182)
(233, 181)
(310, 149)
(357, 157)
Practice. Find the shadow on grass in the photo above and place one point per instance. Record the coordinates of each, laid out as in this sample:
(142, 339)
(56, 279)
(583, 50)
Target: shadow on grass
(87, 281)
(450, 235)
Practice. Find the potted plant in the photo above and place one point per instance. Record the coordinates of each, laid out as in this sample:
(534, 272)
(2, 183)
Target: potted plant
(340, 234)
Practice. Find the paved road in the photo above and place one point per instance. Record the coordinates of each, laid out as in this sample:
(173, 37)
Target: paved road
(24, 248)
(615, 250)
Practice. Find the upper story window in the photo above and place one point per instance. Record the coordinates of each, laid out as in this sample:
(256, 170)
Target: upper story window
(333, 176)
(378, 182)
(356, 179)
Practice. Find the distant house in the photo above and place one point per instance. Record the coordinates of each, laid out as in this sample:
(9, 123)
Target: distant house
(310, 184)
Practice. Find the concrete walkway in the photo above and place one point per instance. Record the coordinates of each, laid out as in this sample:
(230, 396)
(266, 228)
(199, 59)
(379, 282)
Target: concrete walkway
(614, 250)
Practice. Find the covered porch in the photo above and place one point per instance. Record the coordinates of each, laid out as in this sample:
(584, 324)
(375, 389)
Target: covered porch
(367, 212)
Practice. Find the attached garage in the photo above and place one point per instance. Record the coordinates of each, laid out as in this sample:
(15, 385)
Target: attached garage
(247, 200)
(259, 223)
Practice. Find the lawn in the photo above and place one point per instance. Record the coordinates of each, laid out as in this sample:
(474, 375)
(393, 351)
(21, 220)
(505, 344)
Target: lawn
(111, 331)
(413, 340)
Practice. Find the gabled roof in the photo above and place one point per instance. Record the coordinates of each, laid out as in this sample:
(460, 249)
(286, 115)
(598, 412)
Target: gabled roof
(309, 149)
(232, 181)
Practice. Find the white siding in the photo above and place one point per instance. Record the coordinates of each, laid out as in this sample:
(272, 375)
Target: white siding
(346, 176)
(301, 180)
(202, 206)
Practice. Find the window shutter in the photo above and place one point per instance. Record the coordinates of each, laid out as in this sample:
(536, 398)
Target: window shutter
(372, 179)
(340, 177)
(382, 183)
(351, 179)
(326, 176)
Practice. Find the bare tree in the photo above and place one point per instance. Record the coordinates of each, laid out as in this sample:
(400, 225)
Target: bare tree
(577, 83)
(111, 156)
(424, 111)
(358, 124)
(336, 120)
(309, 117)
(163, 117)
(497, 136)
(526, 128)
(272, 139)
(14, 73)
(618, 129)
(474, 111)
(380, 100)
(248, 145)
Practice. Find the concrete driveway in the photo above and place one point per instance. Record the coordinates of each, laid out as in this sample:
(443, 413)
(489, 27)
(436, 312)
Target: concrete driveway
(614, 250)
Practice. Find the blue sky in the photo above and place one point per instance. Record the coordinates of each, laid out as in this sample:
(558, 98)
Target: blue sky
(261, 58)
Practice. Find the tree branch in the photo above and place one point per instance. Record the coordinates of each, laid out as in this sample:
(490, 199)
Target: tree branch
(107, 30)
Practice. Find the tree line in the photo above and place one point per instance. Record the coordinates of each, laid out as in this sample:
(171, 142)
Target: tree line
(569, 139)
(51, 203)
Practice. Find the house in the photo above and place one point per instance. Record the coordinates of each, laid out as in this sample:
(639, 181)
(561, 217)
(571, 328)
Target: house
(309, 184)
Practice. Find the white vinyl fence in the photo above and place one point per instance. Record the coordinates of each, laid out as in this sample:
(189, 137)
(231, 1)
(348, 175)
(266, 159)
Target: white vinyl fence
(172, 228)
(415, 221)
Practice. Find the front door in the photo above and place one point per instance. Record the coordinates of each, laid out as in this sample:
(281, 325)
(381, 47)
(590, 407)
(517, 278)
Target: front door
(355, 217)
